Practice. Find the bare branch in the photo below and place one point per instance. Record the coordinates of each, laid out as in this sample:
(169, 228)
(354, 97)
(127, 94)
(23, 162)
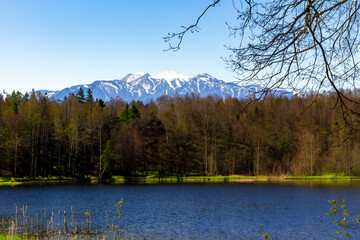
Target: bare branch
(303, 45)
(192, 28)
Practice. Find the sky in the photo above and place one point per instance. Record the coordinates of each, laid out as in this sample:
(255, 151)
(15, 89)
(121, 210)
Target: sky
(53, 44)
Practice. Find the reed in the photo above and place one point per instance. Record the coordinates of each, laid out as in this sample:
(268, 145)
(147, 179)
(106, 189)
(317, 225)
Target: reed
(40, 225)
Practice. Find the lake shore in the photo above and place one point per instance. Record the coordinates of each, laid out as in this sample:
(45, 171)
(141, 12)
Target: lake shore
(155, 179)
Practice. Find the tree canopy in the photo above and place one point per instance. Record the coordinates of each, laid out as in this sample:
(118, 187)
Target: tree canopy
(175, 135)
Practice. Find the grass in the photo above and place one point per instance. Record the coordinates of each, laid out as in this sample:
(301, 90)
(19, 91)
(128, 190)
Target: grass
(329, 176)
(9, 184)
(14, 181)
(155, 177)
(26, 225)
(3, 237)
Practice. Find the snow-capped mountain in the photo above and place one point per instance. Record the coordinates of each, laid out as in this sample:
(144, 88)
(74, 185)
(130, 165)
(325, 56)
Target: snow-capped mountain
(146, 87)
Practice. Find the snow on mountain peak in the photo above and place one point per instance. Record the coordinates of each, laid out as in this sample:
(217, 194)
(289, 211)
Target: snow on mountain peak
(140, 74)
(134, 76)
(203, 75)
(145, 87)
(170, 75)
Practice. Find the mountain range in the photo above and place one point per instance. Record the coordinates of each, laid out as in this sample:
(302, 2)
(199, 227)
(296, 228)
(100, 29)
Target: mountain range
(146, 87)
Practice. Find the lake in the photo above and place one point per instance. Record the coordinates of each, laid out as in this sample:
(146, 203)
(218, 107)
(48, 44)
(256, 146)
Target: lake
(290, 210)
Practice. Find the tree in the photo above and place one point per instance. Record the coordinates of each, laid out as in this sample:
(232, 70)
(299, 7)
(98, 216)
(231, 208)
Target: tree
(12, 116)
(107, 159)
(101, 103)
(124, 116)
(32, 119)
(134, 112)
(89, 97)
(298, 44)
(80, 95)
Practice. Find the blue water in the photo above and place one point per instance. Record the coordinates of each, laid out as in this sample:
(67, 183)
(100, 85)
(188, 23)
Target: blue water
(197, 211)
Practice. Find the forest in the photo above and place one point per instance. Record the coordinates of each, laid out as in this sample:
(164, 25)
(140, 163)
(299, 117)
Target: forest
(179, 135)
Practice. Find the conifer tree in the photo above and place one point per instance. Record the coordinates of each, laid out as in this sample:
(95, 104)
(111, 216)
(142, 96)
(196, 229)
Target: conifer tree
(89, 97)
(124, 116)
(101, 103)
(80, 95)
(134, 112)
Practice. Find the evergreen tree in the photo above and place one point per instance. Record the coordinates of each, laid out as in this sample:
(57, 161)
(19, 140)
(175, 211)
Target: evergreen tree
(124, 116)
(16, 99)
(80, 95)
(134, 112)
(101, 103)
(89, 97)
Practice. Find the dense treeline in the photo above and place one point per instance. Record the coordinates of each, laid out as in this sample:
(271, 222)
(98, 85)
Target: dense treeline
(174, 135)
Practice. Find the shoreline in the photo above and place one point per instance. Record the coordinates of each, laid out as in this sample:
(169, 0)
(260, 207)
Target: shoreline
(10, 181)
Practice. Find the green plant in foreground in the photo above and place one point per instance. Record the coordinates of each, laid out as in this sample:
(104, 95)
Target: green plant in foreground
(3, 237)
(340, 212)
(114, 228)
(88, 221)
(264, 234)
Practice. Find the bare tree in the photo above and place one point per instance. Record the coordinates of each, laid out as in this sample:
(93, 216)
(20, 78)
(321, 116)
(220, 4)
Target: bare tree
(295, 44)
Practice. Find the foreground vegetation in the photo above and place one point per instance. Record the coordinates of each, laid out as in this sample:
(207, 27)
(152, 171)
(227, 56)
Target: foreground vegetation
(58, 225)
(178, 136)
(4, 237)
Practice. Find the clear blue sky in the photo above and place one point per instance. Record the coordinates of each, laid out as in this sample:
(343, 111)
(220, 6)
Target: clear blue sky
(53, 44)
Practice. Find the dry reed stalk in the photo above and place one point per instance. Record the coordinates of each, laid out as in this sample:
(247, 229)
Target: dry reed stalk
(12, 230)
(65, 223)
(59, 221)
(90, 220)
(52, 222)
(2, 223)
(16, 217)
(72, 218)
(75, 233)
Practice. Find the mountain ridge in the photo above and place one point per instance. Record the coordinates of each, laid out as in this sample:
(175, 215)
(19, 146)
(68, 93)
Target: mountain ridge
(148, 87)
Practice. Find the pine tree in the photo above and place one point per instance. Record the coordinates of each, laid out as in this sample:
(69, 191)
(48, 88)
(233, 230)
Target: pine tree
(134, 112)
(80, 95)
(89, 97)
(16, 99)
(124, 116)
(101, 103)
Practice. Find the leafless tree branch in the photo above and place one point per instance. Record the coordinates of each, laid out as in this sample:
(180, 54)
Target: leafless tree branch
(192, 28)
(303, 45)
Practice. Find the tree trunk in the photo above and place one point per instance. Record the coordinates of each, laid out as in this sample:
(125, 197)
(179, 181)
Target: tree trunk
(16, 153)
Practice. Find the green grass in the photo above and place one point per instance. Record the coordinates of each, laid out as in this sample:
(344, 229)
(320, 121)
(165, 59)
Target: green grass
(116, 179)
(39, 178)
(3, 237)
(155, 177)
(226, 177)
(10, 184)
(329, 176)
(14, 181)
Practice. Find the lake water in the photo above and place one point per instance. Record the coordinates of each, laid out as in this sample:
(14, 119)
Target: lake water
(197, 211)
